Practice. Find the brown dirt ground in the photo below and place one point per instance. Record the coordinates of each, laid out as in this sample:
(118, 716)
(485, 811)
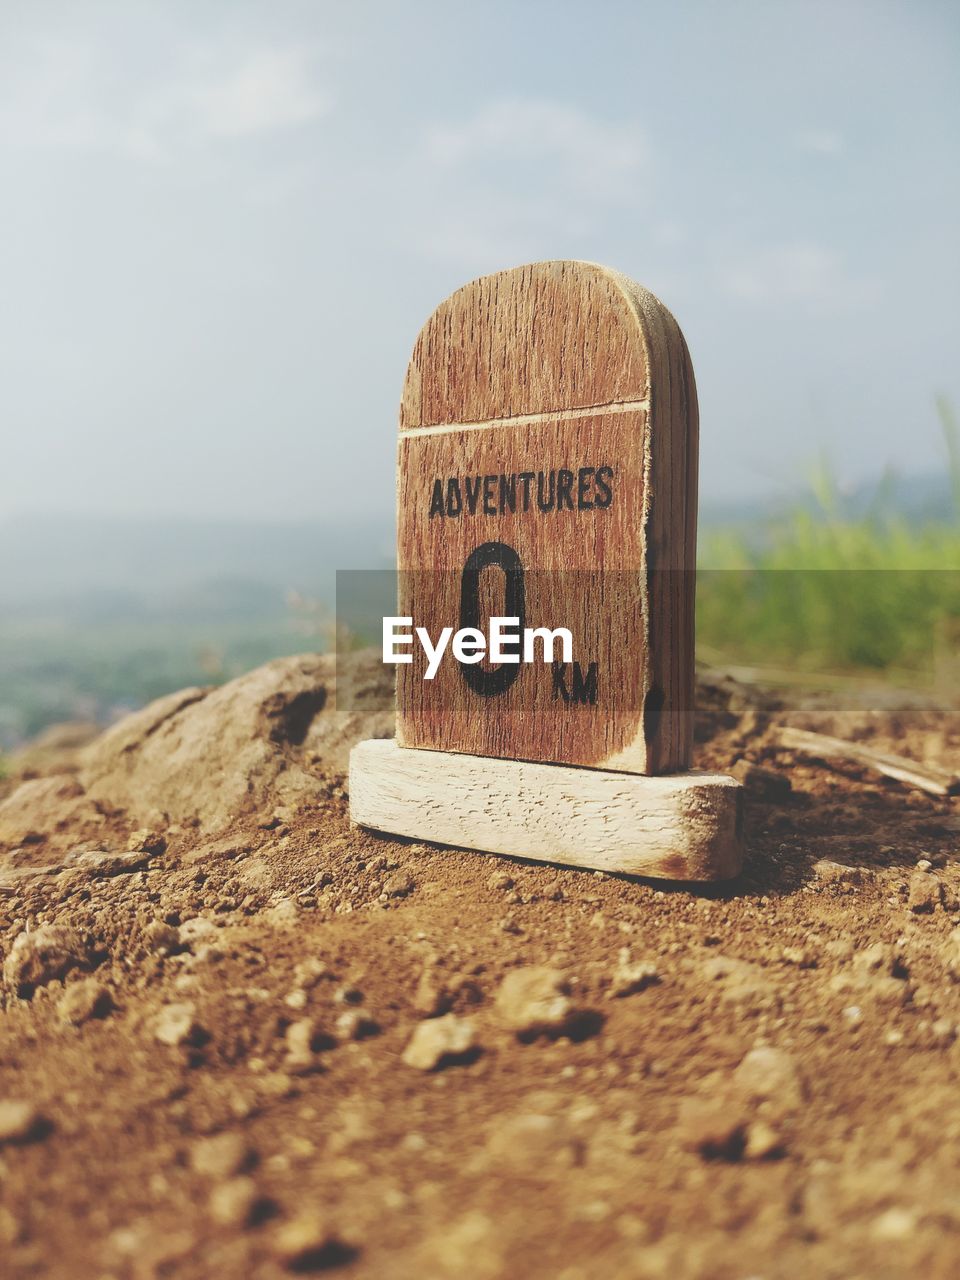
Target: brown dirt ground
(625, 1141)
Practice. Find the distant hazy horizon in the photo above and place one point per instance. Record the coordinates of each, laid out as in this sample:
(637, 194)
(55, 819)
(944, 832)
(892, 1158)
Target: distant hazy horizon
(224, 223)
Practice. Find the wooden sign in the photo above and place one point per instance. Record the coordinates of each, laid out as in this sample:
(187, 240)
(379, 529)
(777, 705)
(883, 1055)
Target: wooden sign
(547, 485)
(548, 442)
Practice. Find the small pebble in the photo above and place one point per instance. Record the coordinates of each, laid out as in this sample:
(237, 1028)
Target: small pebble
(762, 1141)
(20, 1121)
(301, 1040)
(161, 938)
(771, 1075)
(500, 880)
(176, 1024)
(222, 1156)
(398, 885)
(232, 1203)
(112, 864)
(354, 1025)
(924, 892)
(632, 975)
(533, 1000)
(310, 1243)
(84, 1000)
(836, 872)
(438, 1040)
(39, 956)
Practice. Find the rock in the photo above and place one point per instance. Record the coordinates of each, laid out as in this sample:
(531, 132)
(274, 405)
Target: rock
(196, 931)
(399, 885)
(111, 864)
(209, 757)
(765, 784)
(924, 892)
(740, 981)
(310, 1243)
(762, 1141)
(222, 1156)
(836, 872)
(500, 880)
(232, 1203)
(881, 958)
(54, 749)
(147, 841)
(84, 1000)
(868, 983)
(943, 1032)
(282, 914)
(632, 975)
(354, 1025)
(770, 1075)
(43, 804)
(161, 938)
(309, 972)
(952, 953)
(438, 1041)
(176, 1024)
(716, 1127)
(302, 1039)
(41, 956)
(533, 1000)
(348, 994)
(20, 1121)
(431, 996)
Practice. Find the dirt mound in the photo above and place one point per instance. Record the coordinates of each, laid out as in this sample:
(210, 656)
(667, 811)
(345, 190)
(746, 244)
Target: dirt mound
(241, 1038)
(206, 758)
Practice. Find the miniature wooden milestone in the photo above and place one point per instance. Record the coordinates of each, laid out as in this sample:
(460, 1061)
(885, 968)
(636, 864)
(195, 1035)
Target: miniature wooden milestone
(546, 542)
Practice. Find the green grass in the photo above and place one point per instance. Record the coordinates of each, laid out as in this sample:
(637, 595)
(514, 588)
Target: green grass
(820, 592)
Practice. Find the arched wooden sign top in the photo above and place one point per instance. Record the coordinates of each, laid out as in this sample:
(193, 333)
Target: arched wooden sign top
(548, 458)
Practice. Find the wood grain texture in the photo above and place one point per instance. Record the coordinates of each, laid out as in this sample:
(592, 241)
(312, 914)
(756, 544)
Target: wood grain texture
(933, 779)
(684, 826)
(552, 371)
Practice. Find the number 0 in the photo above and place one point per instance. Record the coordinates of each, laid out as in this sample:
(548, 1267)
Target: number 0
(489, 683)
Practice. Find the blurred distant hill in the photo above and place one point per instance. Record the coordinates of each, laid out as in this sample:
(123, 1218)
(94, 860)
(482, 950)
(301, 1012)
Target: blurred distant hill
(920, 499)
(97, 616)
(111, 569)
(98, 569)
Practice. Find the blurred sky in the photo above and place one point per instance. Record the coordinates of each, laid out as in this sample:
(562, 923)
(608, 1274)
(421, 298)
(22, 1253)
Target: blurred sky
(223, 223)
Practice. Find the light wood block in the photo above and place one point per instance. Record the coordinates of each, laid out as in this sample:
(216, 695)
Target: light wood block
(684, 826)
(550, 413)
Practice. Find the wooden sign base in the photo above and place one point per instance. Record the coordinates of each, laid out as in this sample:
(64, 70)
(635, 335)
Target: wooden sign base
(680, 826)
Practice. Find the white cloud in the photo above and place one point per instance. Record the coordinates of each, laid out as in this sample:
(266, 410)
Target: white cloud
(63, 97)
(821, 142)
(798, 272)
(545, 131)
(522, 178)
(268, 90)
